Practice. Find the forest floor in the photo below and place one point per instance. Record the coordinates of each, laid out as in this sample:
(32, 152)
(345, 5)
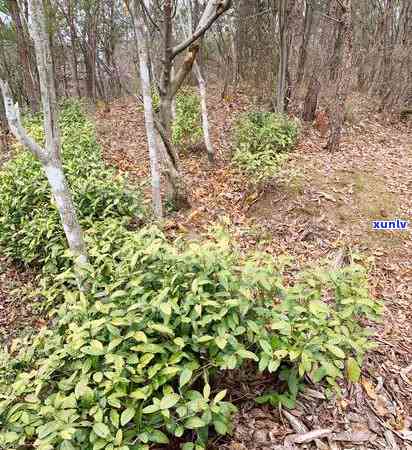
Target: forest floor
(321, 206)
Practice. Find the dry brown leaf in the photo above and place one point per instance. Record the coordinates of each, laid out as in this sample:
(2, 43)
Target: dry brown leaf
(381, 406)
(369, 388)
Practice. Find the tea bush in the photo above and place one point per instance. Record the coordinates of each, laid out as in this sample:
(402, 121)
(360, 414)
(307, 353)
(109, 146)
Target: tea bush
(30, 228)
(132, 362)
(261, 142)
(186, 128)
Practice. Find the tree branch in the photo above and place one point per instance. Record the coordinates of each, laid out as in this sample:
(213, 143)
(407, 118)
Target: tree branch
(13, 118)
(185, 68)
(214, 9)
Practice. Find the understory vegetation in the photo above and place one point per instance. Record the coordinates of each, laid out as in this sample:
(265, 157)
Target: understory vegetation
(262, 140)
(186, 129)
(132, 361)
(30, 227)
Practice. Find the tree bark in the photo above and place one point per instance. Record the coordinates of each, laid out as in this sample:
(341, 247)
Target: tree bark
(143, 54)
(282, 84)
(205, 119)
(169, 85)
(311, 100)
(307, 29)
(73, 39)
(337, 111)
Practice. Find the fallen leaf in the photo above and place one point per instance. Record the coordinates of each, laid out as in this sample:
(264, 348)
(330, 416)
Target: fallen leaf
(369, 388)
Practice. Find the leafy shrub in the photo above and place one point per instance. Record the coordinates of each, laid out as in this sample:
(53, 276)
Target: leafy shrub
(30, 228)
(261, 141)
(186, 126)
(133, 361)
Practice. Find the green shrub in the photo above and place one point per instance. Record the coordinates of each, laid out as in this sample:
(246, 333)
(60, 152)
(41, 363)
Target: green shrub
(30, 228)
(186, 128)
(261, 142)
(133, 361)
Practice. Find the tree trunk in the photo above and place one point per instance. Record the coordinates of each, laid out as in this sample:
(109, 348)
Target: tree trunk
(307, 29)
(169, 85)
(50, 155)
(173, 73)
(205, 119)
(143, 54)
(335, 62)
(66, 208)
(311, 100)
(337, 111)
(281, 89)
(73, 40)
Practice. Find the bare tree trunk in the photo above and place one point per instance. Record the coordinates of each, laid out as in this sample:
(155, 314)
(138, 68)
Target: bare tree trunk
(4, 131)
(197, 65)
(143, 54)
(305, 40)
(24, 57)
(311, 100)
(73, 39)
(205, 119)
(169, 85)
(335, 60)
(174, 98)
(281, 88)
(50, 155)
(343, 71)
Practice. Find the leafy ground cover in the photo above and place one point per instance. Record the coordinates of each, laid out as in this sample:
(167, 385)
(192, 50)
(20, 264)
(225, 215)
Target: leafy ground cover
(133, 361)
(320, 206)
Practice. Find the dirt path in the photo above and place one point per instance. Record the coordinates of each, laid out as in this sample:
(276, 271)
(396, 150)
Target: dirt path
(322, 205)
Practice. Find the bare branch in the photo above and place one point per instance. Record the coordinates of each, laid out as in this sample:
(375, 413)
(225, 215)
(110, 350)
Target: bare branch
(185, 68)
(148, 15)
(214, 9)
(13, 118)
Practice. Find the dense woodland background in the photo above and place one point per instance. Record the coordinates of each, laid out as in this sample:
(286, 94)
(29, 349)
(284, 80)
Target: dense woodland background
(187, 193)
(94, 51)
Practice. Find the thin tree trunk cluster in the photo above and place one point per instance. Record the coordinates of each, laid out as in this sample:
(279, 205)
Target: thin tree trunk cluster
(170, 79)
(276, 50)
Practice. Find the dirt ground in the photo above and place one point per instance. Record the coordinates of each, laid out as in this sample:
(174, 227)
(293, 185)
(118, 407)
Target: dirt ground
(321, 206)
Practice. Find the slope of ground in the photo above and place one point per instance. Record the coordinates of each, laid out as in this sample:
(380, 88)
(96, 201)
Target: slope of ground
(322, 205)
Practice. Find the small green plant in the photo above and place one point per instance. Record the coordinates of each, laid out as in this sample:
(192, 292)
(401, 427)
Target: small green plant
(186, 128)
(155, 99)
(30, 228)
(261, 142)
(132, 362)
